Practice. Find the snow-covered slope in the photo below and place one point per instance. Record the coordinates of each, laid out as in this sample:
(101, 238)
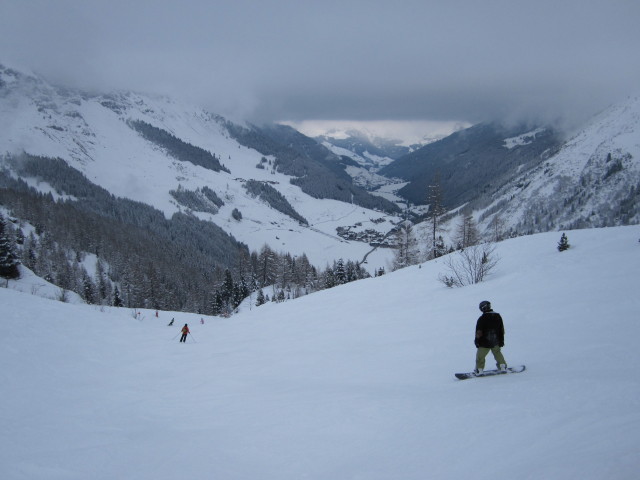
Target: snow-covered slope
(91, 133)
(354, 382)
(593, 181)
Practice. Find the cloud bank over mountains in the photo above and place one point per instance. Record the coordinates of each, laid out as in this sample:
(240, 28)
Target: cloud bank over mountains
(358, 60)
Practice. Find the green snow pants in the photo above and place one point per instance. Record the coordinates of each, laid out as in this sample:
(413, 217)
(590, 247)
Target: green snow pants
(482, 353)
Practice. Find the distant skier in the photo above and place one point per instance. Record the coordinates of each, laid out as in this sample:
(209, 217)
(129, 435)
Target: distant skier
(171, 322)
(185, 332)
(489, 337)
(202, 321)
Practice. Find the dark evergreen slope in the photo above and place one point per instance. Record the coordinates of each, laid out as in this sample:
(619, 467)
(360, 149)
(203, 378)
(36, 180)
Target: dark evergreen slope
(205, 237)
(202, 200)
(8, 257)
(169, 263)
(318, 171)
(471, 162)
(142, 259)
(183, 151)
(274, 198)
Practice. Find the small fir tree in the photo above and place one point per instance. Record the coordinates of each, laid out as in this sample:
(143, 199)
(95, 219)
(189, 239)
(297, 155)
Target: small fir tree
(88, 290)
(563, 244)
(117, 301)
(261, 300)
(217, 305)
(8, 257)
(339, 273)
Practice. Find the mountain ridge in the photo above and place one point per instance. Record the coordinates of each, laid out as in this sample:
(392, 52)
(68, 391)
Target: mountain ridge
(592, 181)
(469, 160)
(92, 133)
(272, 186)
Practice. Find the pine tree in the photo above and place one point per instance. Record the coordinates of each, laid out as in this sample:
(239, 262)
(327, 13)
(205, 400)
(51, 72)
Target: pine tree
(243, 289)
(29, 252)
(563, 244)
(440, 248)
(103, 285)
(227, 287)
(267, 266)
(436, 211)
(351, 269)
(308, 273)
(329, 278)
(339, 274)
(8, 257)
(117, 301)
(217, 306)
(261, 300)
(88, 289)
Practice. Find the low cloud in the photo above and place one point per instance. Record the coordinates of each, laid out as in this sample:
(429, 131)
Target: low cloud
(360, 60)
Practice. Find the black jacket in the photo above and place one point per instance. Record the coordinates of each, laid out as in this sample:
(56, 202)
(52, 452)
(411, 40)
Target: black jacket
(489, 330)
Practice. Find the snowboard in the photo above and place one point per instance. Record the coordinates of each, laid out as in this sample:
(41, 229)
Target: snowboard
(490, 373)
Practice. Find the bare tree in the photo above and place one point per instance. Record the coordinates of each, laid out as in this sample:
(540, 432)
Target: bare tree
(470, 265)
(497, 225)
(407, 252)
(467, 234)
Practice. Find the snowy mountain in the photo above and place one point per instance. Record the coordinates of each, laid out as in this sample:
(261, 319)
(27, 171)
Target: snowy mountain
(526, 179)
(469, 162)
(364, 153)
(130, 144)
(592, 181)
(371, 149)
(175, 179)
(350, 383)
(371, 152)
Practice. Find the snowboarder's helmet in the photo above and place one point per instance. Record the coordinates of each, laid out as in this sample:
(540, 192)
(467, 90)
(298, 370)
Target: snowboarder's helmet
(485, 306)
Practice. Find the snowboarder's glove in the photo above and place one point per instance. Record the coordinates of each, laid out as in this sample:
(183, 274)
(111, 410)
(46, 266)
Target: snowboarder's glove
(502, 345)
(476, 344)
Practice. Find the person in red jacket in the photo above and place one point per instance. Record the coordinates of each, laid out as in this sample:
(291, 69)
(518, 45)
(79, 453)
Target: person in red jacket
(185, 332)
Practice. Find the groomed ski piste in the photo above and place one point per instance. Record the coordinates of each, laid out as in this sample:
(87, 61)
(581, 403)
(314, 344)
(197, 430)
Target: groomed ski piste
(355, 382)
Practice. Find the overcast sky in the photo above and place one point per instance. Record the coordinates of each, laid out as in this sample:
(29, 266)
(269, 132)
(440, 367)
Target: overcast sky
(281, 60)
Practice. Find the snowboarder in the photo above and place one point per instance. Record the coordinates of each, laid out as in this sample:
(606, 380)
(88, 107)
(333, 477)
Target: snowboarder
(202, 321)
(171, 322)
(489, 337)
(185, 332)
